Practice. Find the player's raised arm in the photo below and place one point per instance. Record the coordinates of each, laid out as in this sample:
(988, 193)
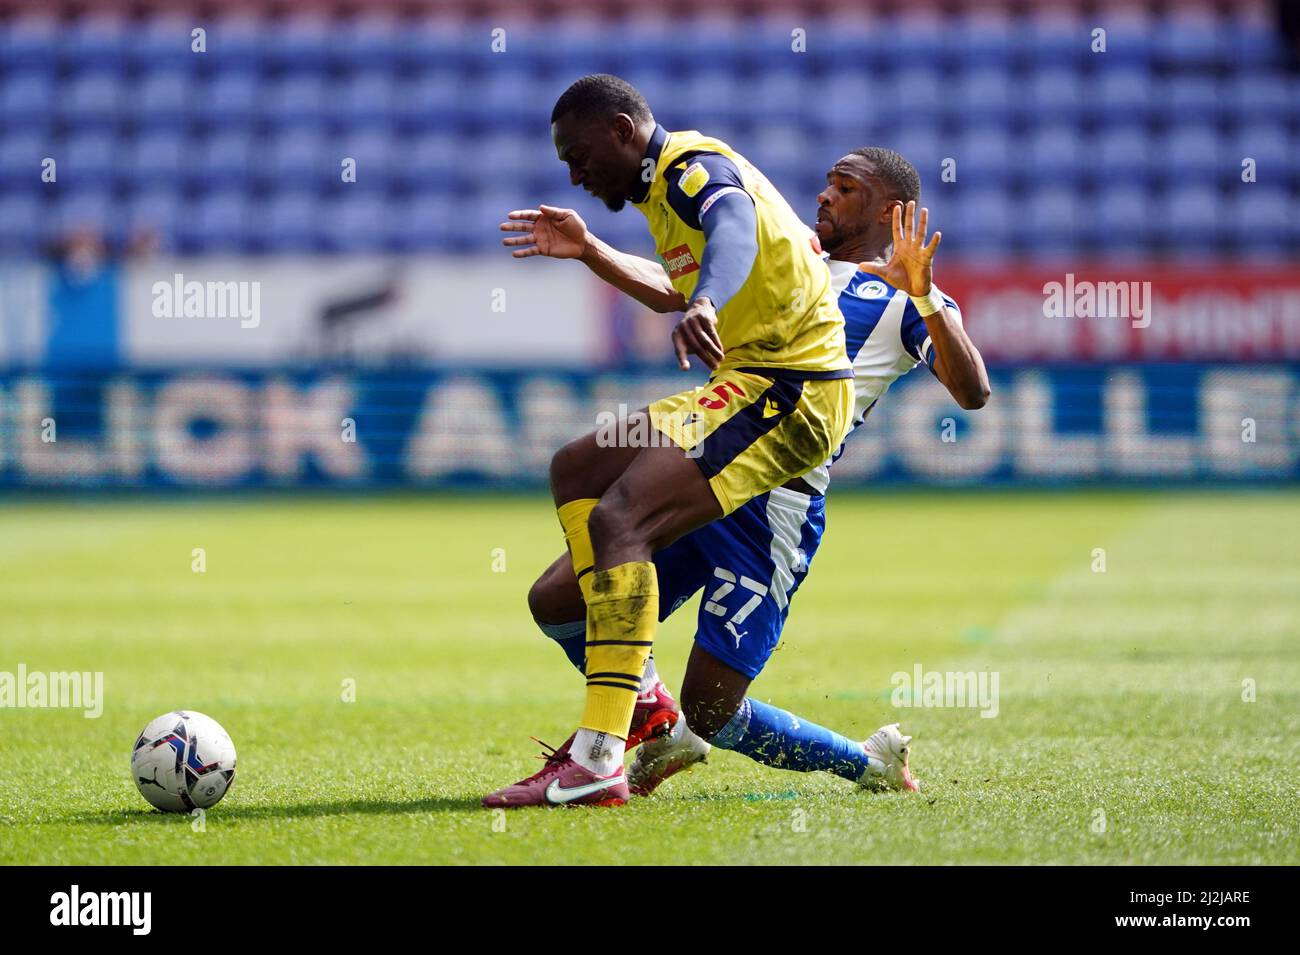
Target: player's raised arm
(957, 362)
(562, 234)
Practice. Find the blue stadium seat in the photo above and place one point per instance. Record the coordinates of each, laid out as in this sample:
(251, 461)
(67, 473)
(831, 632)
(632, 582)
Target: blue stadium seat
(1256, 96)
(242, 42)
(776, 96)
(27, 97)
(162, 157)
(1121, 153)
(21, 218)
(432, 99)
(513, 158)
(229, 98)
(301, 43)
(375, 155)
(90, 99)
(79, 208)
(162, 98)
(224, 158)
(1124, 94)
(980, 216)
(157, 211)
(714, 96)
(292, 99)
(1182, 42)
(1056, 153)
(431, 43)
(1058, 95)
(88, 158)
(982, 95)
(352, 222)
(369, 41)
(21, 154)
(1054, 221)
(289, 222)
(167, 42)
(1191, 97)
(849, 99)
(95, 41)
(1270, 144)
(986, 155)
(299, 158)
(364, 98)
(921, 94)
(781, 151)
(216, 222)
(1262, 218)
(423, 223)
(1188, 212)
(1192, 153)
(31, 42)
(433, 162)
(1122, 219)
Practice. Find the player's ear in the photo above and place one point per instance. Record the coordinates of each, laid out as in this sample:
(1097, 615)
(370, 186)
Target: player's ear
(887, 211)
(624, 129)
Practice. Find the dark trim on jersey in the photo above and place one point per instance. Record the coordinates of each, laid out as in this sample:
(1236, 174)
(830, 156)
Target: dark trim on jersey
(743, 429)
(620, 643)
(793, 374)
(653, 149)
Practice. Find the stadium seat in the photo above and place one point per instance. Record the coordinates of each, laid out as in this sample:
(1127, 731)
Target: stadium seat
(27, 98)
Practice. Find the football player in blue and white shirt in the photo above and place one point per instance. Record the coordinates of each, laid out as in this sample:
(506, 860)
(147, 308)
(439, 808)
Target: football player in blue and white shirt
(750, 563)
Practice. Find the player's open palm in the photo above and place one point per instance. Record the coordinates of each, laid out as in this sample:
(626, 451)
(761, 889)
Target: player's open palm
(558, 233)
(909, 266)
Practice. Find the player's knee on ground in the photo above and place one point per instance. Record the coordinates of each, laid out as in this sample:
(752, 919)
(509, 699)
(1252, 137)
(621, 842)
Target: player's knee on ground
(554, 597)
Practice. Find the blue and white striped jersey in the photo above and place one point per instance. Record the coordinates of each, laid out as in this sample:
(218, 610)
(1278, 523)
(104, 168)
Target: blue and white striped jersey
(886, 338)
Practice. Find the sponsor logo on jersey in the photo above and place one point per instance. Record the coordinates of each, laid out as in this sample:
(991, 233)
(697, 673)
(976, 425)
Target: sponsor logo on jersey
(693, 179)
(679, 261)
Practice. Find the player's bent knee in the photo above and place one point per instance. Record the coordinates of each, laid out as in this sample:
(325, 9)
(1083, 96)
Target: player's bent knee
(706, 714)
(611, 524)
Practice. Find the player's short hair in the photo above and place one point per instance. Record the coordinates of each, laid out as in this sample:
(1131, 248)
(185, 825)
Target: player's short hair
(894, 171)
(602, 96)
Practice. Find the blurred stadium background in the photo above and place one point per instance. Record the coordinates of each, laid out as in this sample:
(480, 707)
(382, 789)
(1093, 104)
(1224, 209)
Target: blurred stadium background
(345, 166)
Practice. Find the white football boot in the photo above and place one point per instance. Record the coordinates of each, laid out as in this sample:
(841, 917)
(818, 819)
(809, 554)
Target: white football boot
(665, 756)
(887, 751)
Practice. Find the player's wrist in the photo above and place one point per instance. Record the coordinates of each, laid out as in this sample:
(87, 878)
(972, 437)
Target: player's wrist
(930, 304)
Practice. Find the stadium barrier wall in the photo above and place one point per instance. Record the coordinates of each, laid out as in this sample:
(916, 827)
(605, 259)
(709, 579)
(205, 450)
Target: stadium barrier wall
(444, 427)
(486, 309)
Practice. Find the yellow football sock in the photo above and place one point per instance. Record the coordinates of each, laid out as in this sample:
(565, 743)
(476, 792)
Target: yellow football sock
(573, 518)
(622, 612)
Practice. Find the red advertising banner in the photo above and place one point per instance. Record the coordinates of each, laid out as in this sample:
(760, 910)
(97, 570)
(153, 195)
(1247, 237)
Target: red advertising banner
(1218, 312)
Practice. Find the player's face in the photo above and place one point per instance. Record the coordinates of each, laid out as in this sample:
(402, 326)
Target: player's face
(852, 201)
(600, 156)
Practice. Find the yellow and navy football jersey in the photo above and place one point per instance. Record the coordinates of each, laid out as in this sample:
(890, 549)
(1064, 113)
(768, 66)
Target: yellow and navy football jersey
(785, 315)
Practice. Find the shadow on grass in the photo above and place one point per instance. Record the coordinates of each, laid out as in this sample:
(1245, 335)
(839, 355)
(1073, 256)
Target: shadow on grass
(341, 807)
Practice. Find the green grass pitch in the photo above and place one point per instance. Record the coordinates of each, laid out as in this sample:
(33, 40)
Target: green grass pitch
(1125, 732)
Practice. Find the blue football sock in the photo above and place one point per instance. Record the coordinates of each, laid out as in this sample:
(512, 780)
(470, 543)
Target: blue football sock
(572, 638)
(776, 738)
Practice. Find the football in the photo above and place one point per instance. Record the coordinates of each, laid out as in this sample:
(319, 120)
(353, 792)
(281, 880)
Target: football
(183, 761)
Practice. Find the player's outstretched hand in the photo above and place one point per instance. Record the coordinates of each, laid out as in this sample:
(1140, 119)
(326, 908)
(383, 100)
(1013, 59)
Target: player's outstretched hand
(558, 233)
(697, 334)
(909, 266)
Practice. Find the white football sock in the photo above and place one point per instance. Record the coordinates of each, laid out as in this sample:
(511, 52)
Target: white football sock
(599, 753)
(650, 676)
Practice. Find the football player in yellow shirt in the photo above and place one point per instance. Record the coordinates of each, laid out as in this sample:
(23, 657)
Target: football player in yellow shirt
(763, 317)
